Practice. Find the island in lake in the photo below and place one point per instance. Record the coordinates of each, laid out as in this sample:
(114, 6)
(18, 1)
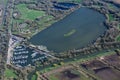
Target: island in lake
(70, 33)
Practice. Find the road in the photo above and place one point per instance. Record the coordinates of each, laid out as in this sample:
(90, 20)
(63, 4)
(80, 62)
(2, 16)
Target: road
(4, 4)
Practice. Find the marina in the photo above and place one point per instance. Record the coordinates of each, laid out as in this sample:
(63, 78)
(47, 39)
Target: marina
(25, 56)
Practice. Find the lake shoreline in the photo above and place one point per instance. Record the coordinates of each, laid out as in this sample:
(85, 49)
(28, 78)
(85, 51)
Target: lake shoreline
(68, 30)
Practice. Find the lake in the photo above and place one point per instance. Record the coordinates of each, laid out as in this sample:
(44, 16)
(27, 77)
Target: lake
(64, 6)
(76, 30)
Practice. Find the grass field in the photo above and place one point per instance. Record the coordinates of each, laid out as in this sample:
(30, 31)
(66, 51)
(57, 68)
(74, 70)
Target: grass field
(118, 38)
(29, 14)
(10, 74)
(110, 17)
(34, 77)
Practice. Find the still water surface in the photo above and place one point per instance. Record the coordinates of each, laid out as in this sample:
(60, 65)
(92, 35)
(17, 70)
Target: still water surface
(81, 27)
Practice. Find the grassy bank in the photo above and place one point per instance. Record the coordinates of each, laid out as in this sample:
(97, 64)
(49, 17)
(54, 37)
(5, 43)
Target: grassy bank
(10, 73)
(79, 59)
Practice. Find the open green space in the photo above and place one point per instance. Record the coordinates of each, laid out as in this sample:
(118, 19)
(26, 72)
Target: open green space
(111, 17)
(10, 73)
(29, 14)
(34, 77)
(118, 38)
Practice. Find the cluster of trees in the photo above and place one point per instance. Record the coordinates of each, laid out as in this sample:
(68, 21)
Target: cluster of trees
(113, 2)
(25, 1)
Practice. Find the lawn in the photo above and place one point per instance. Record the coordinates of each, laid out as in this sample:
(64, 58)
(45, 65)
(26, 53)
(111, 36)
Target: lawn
(110, 17)
(10, 73)
(118, 38)
(34, 77)
(29, 14)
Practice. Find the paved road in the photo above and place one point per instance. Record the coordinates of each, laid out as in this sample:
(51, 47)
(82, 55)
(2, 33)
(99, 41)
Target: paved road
(4, 3)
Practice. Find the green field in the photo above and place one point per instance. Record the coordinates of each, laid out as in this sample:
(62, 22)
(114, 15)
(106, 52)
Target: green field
(34, 77)
(110, 17)
(10, 73)
(29, 14)
(118, 38)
